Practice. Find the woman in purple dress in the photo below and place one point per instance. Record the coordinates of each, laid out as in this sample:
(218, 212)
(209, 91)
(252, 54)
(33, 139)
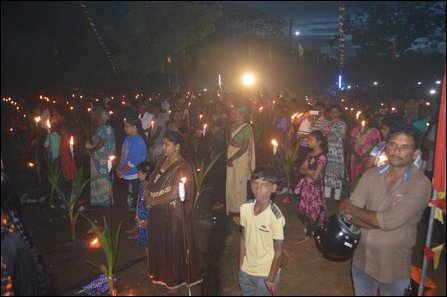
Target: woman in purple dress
(312, 205)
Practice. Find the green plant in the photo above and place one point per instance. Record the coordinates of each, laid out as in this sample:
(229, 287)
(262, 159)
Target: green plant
(288, 163)
(54, 173)
(200, 174)
(109, 245)
(72, 199)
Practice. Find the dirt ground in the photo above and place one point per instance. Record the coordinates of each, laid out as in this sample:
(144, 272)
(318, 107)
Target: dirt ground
(305, 272)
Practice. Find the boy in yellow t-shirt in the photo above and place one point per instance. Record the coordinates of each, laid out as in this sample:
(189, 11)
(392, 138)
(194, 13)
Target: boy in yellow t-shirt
(262, 237)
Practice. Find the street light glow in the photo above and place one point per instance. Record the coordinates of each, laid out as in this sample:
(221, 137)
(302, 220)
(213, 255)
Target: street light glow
(376, 83)
(248, 79)
(438, 82)
(419, 83)
(432, 91)
(297, 33)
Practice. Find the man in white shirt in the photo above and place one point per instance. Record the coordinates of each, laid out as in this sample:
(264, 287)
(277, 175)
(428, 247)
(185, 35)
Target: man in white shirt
(145, 119)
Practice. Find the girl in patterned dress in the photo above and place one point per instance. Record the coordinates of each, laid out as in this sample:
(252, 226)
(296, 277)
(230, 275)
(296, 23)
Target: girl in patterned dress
(312, 205)
(142, 215)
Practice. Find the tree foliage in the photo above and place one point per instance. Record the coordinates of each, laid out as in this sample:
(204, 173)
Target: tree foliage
(392, 29)
(155, 36)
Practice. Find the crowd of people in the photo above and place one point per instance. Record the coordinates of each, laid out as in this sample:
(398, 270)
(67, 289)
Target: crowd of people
(374, 157)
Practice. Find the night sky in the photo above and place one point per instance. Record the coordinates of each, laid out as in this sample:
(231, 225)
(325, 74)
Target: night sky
(317, 21)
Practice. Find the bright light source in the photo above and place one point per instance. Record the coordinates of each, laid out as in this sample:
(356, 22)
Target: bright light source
(297, 33)
(432, 91)
(349, 87)
(419, 83)
(376, 83)
(438, 82)
(248, 79)
(204, 89)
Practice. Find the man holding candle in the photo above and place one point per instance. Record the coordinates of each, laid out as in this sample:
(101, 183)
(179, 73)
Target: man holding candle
(387, 205)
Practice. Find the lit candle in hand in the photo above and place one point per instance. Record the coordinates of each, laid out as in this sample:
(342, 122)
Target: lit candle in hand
(71, 146)
(49, 126)
(109, 163)
(363, 126)
(275, 146)
(152, 125)
(37, 120)
(181, 189)
(204, 129)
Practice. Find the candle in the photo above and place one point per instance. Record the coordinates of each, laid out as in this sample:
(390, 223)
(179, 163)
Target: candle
(363, 126)
(358, 114)
(382, 160)
(181, 189)
(109, 163)
(37, 120)
(200, 117)
(261, 108)
(71, 146)
(48, 126)
(30, 165)
(94, 244)
(275, 146)
(204, 129)
(152, 125)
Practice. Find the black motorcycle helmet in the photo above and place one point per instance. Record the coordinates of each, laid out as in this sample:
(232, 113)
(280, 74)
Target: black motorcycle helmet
(336, 239)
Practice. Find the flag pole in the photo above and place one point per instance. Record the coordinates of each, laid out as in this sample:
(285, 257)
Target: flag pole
(438, 180)
(427, 244)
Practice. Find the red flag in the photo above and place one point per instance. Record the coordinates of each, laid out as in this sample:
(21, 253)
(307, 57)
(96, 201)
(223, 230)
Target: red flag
(439, 170)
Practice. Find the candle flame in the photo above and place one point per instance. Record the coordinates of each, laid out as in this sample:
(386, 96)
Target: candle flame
(363, 123)
(71, 140)
(48, 124)
(30, 165)
(274, 142)
(112, 157)
(261, 108)
(183, 179)
(94, 244)
(201, 116)
(358, 114)
(382, 160)
(296, 115)
(204, 126)
(393, 108)
(37, 119)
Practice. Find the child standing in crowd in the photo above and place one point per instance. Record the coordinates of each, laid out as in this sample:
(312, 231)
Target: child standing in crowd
(142, 215)
(262, 237)
(52, 143)
(312, 205)
(67, 161)
(133, 153)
